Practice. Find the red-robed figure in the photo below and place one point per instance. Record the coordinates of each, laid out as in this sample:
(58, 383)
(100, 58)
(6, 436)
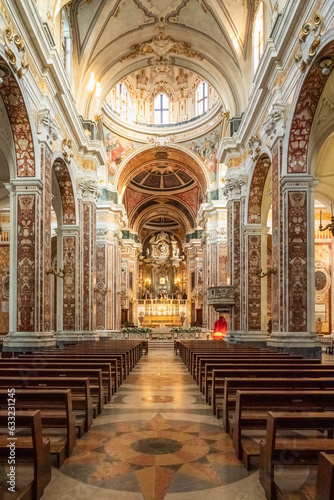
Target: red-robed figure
(220, 328)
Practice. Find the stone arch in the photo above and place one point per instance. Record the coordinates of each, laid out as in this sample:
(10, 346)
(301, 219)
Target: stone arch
(304, 112)
(155, 210)
(65, 185)
(189, 159)
(67, 243)
(255, 196)
(14, 102)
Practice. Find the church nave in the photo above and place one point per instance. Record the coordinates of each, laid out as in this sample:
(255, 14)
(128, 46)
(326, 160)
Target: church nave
(157, 439)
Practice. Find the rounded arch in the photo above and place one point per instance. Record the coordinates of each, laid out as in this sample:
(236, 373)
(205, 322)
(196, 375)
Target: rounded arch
(27, 163)
(305, 105)
(165, 210)
(227, 85)
(66, 190)
(256, 188)
(149, 153)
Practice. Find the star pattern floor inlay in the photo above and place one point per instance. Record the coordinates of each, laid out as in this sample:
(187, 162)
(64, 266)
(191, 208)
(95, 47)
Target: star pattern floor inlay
(156, 440)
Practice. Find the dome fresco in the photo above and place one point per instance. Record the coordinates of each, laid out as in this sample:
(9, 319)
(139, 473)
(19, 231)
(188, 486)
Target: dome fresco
(162, 177)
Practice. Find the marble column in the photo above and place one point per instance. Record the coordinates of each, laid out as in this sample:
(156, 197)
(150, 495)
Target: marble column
(68, 310)
(110, 219)
(101, 289)
(255, 288)
(235, 192)
(28, 318)
(114, 282)
(213, 217)
(88, 192)
(297, 320)
(195, 258)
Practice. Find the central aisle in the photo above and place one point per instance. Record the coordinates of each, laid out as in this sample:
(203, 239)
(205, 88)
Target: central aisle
(156, 440)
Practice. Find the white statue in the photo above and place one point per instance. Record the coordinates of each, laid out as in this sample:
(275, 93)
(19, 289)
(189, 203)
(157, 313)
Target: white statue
(147, 252)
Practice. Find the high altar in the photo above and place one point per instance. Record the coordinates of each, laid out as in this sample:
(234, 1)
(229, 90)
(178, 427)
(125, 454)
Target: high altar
(162, 298)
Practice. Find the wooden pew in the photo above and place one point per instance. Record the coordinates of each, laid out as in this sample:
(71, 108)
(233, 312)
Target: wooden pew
(200, 360)
(33, 449)
(206, 367)
(116, 379)
(219, 376)
(217, 347)
(116, 361)
(277, 450)
(207, 388)
(63, 365)
(252, 408)
(94, 376)
(265, 384)
(82, 404)
(56, 413)
(195, 355)
(325, 477)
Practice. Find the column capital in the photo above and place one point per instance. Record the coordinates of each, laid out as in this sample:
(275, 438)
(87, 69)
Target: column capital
(48, 130)
(298, 182)
(101, 235)
(260, 229)
(88, 190)
(235, 187)
(68, 230)
(25, 185)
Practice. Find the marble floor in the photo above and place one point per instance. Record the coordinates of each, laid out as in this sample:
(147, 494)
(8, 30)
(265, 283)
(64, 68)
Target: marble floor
(156, 440)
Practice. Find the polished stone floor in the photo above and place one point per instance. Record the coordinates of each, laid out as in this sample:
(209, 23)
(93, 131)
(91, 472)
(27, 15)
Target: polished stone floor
(156, 440)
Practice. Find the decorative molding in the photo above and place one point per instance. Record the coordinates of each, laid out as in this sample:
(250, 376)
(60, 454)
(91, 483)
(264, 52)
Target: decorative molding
(309, 40)
(159, 47)
(274, 124)
(161, 139)
(254, 145)
(89, 190)
(9, 37)
(66, 147)
(48, 129)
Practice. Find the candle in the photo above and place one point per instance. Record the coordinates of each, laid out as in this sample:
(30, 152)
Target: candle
(332, 209)
(320, 218)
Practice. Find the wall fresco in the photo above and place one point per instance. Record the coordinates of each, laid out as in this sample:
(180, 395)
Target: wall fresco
(117, 148)
(206, 147)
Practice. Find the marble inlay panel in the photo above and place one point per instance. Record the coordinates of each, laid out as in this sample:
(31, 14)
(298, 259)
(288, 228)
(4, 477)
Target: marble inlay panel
(26, 222)
(20, 124)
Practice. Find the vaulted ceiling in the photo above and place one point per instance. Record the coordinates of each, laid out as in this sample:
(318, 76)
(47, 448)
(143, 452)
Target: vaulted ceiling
(113, 38)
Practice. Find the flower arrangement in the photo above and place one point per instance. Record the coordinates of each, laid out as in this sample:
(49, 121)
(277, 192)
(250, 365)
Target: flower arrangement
(136, 329)
(186, 329)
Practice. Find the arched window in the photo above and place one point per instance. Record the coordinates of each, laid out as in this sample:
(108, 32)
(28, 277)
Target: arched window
(258, 36)
(123, 102)
(65, 43)
(161, 109)
(202, 93)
